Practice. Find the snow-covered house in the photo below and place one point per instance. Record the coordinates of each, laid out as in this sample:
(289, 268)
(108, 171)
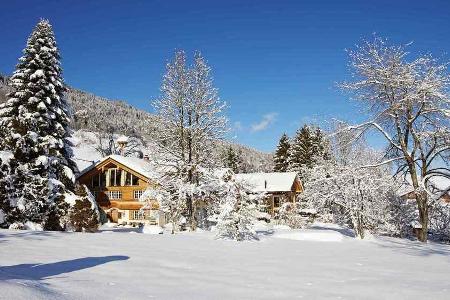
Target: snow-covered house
(117, 183)
(438, 186)
(280, 187)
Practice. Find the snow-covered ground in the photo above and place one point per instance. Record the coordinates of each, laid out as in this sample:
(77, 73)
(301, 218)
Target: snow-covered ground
(318, 263)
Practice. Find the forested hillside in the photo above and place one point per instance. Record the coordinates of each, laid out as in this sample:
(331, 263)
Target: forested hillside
(97, 114)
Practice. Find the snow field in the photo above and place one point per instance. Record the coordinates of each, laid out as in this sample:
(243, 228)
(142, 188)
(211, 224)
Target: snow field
(120, 265)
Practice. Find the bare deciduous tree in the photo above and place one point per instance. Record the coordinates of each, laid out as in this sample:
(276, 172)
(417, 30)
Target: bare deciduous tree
(192, 119)
(408, 103)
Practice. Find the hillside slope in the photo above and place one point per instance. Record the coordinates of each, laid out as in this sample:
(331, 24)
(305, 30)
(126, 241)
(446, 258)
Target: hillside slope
(97, 114)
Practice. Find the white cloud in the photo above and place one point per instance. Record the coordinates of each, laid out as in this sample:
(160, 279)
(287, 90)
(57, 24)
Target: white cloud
(266, 121)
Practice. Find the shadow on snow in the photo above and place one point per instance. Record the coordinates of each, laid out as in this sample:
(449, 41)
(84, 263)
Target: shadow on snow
(343, 231)
(43, 271)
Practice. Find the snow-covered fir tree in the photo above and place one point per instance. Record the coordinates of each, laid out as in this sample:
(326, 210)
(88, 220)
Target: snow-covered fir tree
(233, 160)
(321, 144)
(4, 192)
(281, 156)
(34, 125)
(9, 213)
(307, 146)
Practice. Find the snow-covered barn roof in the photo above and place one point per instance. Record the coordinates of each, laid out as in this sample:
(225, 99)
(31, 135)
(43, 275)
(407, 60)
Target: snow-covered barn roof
(139, 165)
(269, 182)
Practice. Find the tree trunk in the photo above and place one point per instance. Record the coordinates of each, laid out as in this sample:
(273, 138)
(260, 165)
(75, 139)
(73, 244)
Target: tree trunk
(422, 205)
(358, 225)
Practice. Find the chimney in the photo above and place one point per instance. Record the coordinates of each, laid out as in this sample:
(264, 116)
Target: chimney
(122, 141)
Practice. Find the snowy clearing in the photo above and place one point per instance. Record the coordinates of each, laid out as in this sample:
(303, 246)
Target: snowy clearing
(115, 264)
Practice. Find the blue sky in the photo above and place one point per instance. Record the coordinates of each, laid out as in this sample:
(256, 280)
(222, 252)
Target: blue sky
(274, 62)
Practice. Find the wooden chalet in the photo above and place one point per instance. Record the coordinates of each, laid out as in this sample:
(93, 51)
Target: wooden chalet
(279, 187)
(117, 183)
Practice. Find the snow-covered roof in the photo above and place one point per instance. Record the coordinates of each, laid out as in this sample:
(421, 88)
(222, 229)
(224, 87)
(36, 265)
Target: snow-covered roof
(122, 139)
(269, 182)
(139, 165)
(438, 183)
(5, 156)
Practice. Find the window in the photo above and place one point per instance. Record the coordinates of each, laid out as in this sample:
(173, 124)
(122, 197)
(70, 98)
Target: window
(276, 201)
(96, 180)
(103, 179)
(137, 215)
(128, 178)
(99, 180)
(138, 194)
(114, 195)
(131, 179)
(114, 177)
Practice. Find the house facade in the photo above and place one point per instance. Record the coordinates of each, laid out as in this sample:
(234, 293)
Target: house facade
(279, 187)
(117, 183)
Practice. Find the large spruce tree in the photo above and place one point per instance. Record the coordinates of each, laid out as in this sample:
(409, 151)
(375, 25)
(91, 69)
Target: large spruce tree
(307, 146)
(34, 126)
(281, 157)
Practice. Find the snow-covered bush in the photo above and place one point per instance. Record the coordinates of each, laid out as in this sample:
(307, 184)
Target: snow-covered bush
(83, 215)
(239, 210)
(396, 217)
(26, 226)
(237, 217)
(289, 215)
(151, 229)
(352, 194)
(440, 220)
